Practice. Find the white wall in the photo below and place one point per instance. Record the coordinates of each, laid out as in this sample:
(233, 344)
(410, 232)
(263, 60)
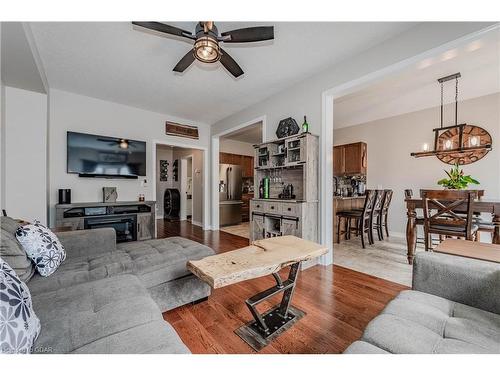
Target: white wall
(25, 154)
(236, 147)
(198, 178)
(79, 113)
(2, 144)
(163, 153)
(2, 131)
(305, 97)
(391, 140)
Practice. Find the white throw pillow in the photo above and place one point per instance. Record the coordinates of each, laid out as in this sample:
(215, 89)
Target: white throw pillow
(42, 246)
(19, 325)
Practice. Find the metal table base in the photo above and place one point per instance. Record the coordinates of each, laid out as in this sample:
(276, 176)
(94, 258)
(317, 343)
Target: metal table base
(265, 327)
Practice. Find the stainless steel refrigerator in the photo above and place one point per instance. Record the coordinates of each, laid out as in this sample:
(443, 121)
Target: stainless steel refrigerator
(230, 186)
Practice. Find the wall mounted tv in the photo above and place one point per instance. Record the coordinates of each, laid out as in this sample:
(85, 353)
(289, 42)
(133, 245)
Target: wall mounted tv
(101, 156)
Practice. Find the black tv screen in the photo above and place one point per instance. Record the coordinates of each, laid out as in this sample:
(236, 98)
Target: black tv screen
(100, 156)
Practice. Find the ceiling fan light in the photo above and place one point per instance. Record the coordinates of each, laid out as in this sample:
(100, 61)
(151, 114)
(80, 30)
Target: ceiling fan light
(206, 49)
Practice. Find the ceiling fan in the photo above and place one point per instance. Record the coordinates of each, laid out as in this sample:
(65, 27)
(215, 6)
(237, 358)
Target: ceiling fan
(207, 41)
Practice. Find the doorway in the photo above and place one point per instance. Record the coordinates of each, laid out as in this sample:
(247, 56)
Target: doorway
(234, 171)
(180, 184)
(186, 188)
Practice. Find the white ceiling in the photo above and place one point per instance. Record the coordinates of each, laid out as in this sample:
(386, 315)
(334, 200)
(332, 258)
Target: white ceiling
(19, 68)
(114, 62)
(417, 88)
(251, 134)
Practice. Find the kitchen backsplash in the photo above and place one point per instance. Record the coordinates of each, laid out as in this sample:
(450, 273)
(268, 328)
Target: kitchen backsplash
(345, 183)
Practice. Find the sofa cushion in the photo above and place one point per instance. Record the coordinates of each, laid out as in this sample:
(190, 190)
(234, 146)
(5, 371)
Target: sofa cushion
(95, 317)
(19, 325)
(12, 252)
(362, 347)
(42, 246)
(160, 260)
(151, 338)
(153, 261)
(416, 322)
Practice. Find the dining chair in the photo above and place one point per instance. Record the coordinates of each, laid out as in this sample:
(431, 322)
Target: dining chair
(484, 226)
(443, 214)
(362, 219)
(384, 214)
(375, 217)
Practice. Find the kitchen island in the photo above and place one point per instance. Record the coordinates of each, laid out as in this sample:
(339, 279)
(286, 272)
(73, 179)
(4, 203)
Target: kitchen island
(344, 204)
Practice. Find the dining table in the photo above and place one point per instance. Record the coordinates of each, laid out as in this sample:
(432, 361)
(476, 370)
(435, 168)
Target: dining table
(482, 205)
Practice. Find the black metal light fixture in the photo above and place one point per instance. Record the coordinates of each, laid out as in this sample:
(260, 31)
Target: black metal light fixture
(459, 143)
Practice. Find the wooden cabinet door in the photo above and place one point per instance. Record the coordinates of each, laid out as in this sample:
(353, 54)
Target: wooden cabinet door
(247, 166)
(224, 158)
(355, 156)
(145, 227)
(236, 159)
(257, 227)
(338, 161)
(250, 167)
(364, 158)
(290, 227)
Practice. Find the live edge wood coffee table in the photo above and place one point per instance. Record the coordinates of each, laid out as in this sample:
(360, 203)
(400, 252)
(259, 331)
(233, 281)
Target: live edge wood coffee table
(263, 258)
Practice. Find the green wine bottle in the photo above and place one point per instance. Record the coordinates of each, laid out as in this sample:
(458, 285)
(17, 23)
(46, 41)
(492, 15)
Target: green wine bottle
(266, 187)
(305, 126)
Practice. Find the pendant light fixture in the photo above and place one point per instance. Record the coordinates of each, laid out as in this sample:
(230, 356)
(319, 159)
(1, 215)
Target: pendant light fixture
(459, 143)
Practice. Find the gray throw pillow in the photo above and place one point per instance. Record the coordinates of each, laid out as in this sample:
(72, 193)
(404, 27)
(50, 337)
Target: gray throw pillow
(11, 250)
(19, 325)
(42, 246)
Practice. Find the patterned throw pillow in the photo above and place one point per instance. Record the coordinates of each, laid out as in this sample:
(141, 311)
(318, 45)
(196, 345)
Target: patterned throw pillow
(42, 246)
(19, 326)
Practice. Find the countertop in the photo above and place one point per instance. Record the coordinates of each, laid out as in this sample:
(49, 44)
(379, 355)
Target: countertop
(282, 200)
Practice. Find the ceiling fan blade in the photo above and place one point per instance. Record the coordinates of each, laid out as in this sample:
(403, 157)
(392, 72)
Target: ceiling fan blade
(164, 28)
(249, 34)
(231, 65)
(184, 63)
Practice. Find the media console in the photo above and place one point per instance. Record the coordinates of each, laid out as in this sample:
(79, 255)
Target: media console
(131, 220)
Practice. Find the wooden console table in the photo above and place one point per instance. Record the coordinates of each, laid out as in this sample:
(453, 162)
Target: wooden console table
(263, 258)
(491, 206)
(75, 215)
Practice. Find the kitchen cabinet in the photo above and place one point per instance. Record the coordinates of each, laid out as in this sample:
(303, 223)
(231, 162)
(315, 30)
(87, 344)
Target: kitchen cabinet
(277, 217)
(246, 162)
(257, 227)
(350, 159)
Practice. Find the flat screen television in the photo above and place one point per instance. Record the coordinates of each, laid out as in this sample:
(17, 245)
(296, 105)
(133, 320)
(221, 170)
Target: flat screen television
(92, 155)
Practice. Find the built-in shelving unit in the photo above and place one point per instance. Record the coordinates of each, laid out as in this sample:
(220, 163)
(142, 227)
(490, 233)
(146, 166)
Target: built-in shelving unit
(291, 160)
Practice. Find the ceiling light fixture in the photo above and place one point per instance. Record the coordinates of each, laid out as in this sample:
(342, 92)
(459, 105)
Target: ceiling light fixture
(207, 40)
(206, 49)
(459, 143)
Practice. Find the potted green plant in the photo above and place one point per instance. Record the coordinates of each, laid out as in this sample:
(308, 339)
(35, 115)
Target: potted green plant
(457, 179)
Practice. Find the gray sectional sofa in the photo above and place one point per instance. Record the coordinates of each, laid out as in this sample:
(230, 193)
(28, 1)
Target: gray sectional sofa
(108, 298)
(453, 307)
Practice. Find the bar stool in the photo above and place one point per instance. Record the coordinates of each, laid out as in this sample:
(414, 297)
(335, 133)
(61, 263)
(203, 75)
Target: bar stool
(361, 218)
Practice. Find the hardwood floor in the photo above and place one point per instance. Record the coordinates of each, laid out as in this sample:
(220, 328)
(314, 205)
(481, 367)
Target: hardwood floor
(339, 303)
